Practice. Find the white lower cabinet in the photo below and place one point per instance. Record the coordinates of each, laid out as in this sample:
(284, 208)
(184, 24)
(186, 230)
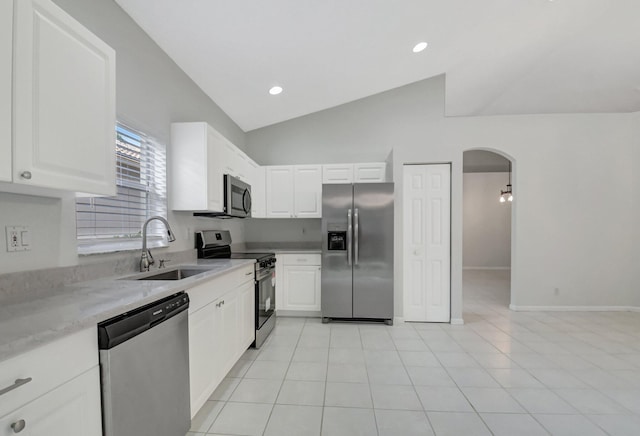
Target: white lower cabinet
(219, 331)
(72, 409)
(299, 283)
(301, 287)
(56, 389)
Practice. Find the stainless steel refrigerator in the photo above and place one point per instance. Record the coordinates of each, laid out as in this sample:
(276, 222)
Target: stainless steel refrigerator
(357, 252)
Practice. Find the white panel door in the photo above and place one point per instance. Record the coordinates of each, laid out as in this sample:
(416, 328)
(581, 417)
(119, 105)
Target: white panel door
(6, 41)
(280, 191)
(337, 173)
(301, 288)
(308, 191)
(72, 409)
(427, 242)
(369, 172)
(64, 102)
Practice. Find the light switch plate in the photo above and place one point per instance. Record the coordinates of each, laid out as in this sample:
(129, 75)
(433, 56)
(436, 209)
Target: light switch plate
(18, 238)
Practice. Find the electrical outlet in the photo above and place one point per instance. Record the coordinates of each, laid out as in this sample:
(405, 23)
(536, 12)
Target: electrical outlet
(18, 238)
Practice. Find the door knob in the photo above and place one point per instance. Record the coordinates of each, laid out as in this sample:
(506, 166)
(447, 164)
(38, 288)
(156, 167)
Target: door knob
(18, 426)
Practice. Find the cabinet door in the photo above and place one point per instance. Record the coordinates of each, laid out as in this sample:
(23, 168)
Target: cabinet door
(337, 173)
(246, 320)
(301, 288)
(203, 355)
(6, 40)
(228, 330)
(229, 159)
(280, 192)
(258, 192)
(369, 172)
(308, 191)
(64, 102)
(215, 172)
(72, 409)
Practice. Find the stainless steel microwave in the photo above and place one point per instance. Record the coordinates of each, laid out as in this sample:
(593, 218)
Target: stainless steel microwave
(237, 197)
(237, 200)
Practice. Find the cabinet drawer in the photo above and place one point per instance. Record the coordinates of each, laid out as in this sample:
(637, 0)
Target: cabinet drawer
(205, 293)
(300, 259)
(47, 366)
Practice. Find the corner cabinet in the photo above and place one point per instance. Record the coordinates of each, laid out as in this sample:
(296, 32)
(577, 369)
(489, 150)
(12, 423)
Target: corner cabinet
(294, 191)
(63, 102)
(6, 43)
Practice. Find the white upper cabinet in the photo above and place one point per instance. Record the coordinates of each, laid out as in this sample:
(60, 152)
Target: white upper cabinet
(307, 181)
(354, 173)
(280, 191)
(369, 172)
(199, 158)
(258, 191)
(6, 40)
(64, 102)
(294, 191)
(196, 167)
(337, 173)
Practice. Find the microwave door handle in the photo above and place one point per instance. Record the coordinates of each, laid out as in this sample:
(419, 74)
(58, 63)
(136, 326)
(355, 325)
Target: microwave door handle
(349, 237)
(246, 201)
(356, 242)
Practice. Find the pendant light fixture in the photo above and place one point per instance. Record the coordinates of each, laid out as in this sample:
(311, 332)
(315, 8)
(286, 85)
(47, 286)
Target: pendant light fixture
(507, 195)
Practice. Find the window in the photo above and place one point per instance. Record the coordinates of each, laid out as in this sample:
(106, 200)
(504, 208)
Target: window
(107, 224)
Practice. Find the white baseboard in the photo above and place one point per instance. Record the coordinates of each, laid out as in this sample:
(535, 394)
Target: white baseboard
(398, 320)
(457, 321)
(486, 268)
(574, 308)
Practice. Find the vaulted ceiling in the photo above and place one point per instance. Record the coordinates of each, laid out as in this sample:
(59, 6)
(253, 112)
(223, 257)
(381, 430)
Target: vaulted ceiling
(500, 56)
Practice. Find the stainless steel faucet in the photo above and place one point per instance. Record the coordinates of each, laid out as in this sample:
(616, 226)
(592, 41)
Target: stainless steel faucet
(147, 259)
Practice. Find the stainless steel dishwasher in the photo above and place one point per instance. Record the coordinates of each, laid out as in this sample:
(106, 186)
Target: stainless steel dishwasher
(144, 370)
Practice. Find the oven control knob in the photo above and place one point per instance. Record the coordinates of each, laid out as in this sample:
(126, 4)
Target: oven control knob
(263, 264)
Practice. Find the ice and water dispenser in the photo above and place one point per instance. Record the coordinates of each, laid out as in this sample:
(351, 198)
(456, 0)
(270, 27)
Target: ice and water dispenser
(337, 240)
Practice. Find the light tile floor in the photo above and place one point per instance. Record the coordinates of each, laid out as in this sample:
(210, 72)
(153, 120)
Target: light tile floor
(502, 373)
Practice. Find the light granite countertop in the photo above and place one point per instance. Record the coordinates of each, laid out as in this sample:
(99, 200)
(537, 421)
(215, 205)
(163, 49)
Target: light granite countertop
(27, 321)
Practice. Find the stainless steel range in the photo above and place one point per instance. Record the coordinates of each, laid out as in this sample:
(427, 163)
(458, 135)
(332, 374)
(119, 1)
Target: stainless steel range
(216, 244)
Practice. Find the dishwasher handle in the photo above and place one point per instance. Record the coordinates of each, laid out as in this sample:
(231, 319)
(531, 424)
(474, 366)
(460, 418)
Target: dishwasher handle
(121, 328)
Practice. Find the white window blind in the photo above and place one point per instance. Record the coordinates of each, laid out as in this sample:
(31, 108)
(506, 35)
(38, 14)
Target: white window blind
(106, 224)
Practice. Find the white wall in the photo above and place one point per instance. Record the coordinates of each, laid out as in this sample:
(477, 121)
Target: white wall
(486, 223)
(151, 93)
(572, 183)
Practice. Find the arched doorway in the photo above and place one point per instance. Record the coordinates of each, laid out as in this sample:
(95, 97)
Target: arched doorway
(487, 223)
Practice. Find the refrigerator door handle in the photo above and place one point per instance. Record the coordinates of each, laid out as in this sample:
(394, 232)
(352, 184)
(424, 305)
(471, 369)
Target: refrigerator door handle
(356, 244)
(349, 237)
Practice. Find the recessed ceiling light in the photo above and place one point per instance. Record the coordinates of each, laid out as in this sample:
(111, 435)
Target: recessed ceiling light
(419, 47)
(275, 90)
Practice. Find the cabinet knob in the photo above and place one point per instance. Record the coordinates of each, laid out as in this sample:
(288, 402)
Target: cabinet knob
(18, 426)
(26, 175)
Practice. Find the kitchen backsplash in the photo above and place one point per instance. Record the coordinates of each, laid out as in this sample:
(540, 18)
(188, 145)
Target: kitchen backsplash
(43, 281)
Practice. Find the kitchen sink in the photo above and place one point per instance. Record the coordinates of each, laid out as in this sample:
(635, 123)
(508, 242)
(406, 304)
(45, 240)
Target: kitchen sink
(177, 273)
